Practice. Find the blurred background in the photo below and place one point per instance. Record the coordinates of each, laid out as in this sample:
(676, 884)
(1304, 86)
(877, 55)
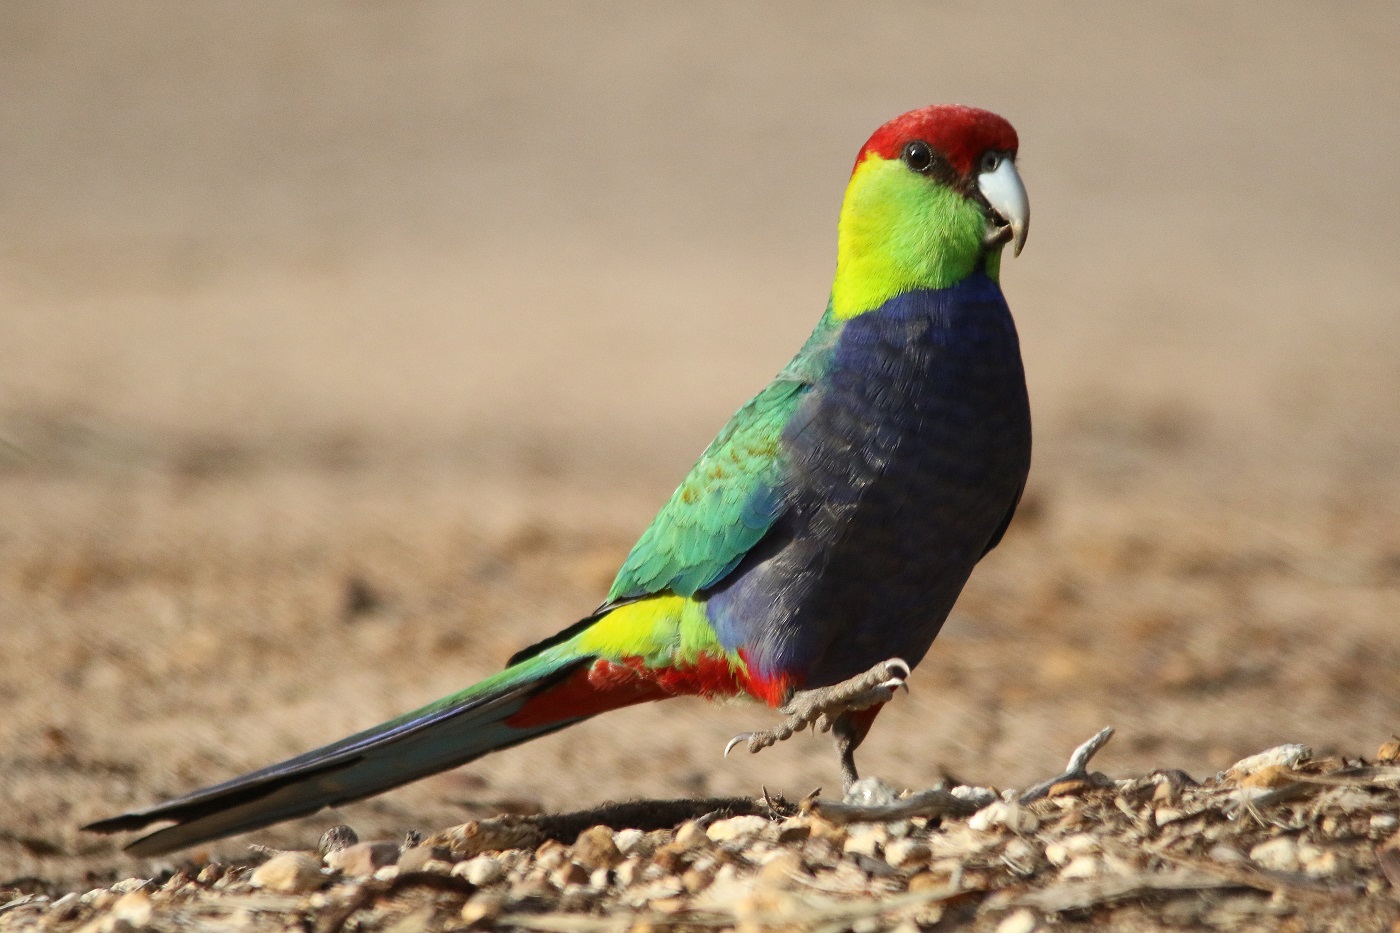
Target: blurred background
(346, 347)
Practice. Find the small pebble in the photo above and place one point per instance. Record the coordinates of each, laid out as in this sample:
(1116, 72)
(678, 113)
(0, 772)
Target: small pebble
(928, 881)
(1269, 777)
(1317, 861)
(1022, 921)
(696, 880)
(1280, 854)
(627, 840)
(481, 907)
(691, 835)
(99, 899)
(289, 873)
(736, 827)
(977, 796)
(1013, 816)
(870, 792)
(595, 848)
(483, 870)
(551, 855)
(781, 871)
(134, 908)
(866, 840)
(1223, 853)
(628, 872)
(415, 858)
(789, 832)
(336, 838)
(821, 852)
(1081, 866)
(1165, 815)
(362, 859)
(905, 853)
(570, 873)
(1018, 851)
(825, 829)
(127, 885)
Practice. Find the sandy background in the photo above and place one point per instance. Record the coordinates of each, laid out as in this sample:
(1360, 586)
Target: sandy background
(345, 348)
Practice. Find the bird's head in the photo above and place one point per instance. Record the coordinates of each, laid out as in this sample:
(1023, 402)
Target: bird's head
(934, 196)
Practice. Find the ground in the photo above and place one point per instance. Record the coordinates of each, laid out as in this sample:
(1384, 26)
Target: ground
(345, 350)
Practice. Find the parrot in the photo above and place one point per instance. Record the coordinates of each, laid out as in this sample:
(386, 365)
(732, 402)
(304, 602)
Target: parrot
(811, 555)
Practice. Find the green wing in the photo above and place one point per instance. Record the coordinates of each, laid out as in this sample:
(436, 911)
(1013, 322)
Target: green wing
(729, 500)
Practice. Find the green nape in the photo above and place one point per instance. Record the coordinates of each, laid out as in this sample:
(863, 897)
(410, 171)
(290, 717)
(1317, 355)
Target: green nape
(900, 231)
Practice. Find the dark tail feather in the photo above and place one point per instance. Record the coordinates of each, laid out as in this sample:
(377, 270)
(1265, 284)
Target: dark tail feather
(442, 735)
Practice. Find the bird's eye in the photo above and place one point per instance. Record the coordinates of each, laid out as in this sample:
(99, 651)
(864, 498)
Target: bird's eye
(917, 155)
(990, 161)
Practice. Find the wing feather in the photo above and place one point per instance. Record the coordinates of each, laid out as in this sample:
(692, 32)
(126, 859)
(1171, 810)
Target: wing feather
(723, 507)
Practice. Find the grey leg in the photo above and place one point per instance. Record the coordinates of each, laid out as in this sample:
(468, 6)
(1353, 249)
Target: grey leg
(848, 735)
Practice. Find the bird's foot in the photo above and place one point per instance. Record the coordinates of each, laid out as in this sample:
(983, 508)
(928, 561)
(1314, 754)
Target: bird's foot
(822, 706)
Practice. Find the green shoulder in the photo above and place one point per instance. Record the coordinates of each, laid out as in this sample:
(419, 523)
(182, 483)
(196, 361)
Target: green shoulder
(733, 494)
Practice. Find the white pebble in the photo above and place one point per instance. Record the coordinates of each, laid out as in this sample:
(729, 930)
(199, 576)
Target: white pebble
(1286, 755)
(627, 839)
(1060, 852)
(903, 852)
(289, 872)
(1019, 850)
(480, 871)
(867, 840)
(1083, 866)
(1280, 854)
(736, 827)
(977, 796)
(1011, 815)
(1220, 852)
(134, 908)
(870, 792)
(1318, 862)
(1022, 921)
(1165, 815)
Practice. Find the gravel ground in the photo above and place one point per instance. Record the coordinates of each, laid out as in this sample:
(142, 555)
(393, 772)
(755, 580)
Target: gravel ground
(1282, 840)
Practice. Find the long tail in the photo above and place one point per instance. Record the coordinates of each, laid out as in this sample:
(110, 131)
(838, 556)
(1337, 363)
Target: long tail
(542, 693)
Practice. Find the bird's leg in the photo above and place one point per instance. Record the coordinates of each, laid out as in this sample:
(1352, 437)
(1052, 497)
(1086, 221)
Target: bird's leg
(849, 731)
(822, 708)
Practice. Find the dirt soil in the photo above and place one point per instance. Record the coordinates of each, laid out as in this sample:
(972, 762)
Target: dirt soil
(345, 349)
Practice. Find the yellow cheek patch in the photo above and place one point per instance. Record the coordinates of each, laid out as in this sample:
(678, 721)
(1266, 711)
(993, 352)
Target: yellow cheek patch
(900, 231)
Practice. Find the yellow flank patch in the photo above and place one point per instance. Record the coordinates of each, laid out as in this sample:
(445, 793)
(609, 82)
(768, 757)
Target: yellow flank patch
(900, 231)
(665, 629)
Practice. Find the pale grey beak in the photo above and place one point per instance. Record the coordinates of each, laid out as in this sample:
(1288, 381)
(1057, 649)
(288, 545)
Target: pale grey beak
(1004, 192)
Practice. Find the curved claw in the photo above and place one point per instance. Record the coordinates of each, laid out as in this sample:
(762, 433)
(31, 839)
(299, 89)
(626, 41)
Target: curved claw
(898, 671)
(741, 737)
